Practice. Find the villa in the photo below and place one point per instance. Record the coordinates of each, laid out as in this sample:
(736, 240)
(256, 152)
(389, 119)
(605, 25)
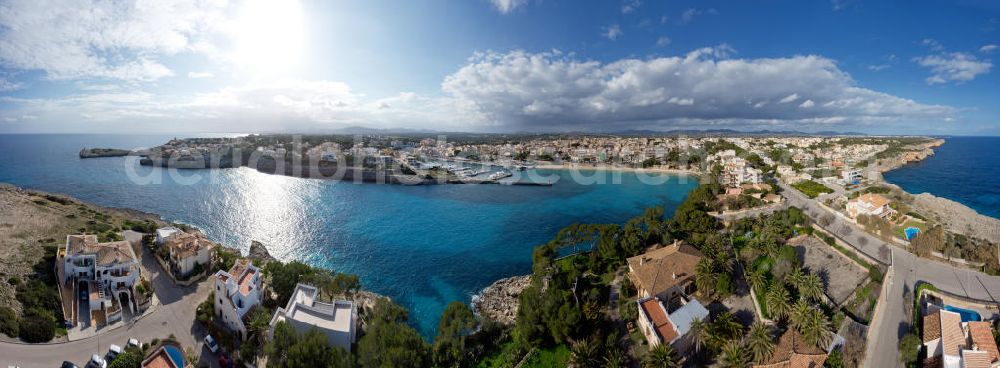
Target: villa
(167, 354)
(665, 273)
(336, 320)
(107, 270)
(237, 292)
(951, 343)
(849, 175)
(165, 233)
(660, 327)
(869, 204)
(792, 351)
(187, 251)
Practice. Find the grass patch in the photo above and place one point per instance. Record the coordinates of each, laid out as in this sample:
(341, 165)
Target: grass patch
(811, 188)
(551, 357)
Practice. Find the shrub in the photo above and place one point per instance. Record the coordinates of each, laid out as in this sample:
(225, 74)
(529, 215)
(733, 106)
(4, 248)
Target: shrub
(37, 326)
(8, 322)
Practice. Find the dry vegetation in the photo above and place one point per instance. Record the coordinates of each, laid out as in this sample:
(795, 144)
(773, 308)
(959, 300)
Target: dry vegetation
(30, 221)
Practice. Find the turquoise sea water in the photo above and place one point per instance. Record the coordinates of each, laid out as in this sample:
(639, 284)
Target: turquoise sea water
(964, 169)
(424, 246)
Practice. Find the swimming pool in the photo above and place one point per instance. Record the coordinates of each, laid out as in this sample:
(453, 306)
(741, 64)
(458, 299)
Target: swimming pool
(911, 232)
(967, 314)
(175, 355)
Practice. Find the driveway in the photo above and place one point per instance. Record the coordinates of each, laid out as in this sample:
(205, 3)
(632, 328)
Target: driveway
(892, 321)
(175, 315)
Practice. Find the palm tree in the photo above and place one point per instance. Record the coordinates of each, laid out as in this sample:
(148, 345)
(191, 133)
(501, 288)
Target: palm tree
(811, 287)
(815, 328)
(584, 354)
(662, 356)
(698, 331)
(733, 355)
(794, 278)
(756, 279)
(258, 325)
(759, 342)
(726, 326)
(777, 301)
(799, 315)
(704, 278)
(615, 358)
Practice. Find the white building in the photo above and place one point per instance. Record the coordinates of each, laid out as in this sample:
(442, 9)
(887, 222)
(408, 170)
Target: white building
(188, 250)
(869, 204)
(671, 328)
(236, 293)
(850, 175)
(108, 271)
(337, 320)
(165, 233)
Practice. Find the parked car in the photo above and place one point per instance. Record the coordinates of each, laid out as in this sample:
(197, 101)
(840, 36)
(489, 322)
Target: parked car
(210, 343)
(68, 365)
(97, 362)
(133, 343)
(113, 352)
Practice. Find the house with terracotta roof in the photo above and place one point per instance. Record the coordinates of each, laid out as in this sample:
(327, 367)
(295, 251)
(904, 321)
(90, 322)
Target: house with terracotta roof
(337, 319)
(793, 352)
(951, 343)
(869, 204)
(167, 354)
(661, 327)
(108, 271)
(665, 273)
(237, 292)
(188, 250)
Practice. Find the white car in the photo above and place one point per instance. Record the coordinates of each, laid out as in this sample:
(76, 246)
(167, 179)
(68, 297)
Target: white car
(97, 362)
(132, 343)
(210, 343)
(113, 352)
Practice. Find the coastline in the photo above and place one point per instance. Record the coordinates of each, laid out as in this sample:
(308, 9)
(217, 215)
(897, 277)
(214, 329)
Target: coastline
(657, 170)
(951, 214)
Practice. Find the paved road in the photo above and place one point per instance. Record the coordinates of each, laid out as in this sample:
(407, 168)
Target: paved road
(907, 270)
(175, 315)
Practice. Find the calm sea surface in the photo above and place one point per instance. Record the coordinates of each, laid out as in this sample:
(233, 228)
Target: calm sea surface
(964, 169)
(424, 246)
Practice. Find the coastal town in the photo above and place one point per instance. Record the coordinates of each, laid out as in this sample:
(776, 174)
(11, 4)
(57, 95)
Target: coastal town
(793, 251)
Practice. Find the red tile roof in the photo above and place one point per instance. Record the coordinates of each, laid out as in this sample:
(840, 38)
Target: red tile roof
(982, 338)
(661, 323)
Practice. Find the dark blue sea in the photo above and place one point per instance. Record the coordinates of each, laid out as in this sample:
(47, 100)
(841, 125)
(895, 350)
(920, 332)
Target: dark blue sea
(964, 169)
(424, 246)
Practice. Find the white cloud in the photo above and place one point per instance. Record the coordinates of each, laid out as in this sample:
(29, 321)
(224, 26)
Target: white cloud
(552, 90)
(663, 41)
(932, 44)
(507, 6)
(631, 6)
(7, 86)
(953, 67)
(612, 32)
(198, 75)
(839, 4)
(986, 49)
(688, 15)
(790, 98)
(102, 39)
(879, 67)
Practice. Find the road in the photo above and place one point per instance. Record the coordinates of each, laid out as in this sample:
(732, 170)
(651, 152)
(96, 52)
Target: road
(175, 315)
(907, 270)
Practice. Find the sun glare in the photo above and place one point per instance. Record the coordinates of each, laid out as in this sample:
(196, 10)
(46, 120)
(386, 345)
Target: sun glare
(270, 35)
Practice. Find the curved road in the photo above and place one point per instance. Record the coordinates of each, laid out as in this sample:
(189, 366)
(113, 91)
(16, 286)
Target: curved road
(906, 271)
(175, 315)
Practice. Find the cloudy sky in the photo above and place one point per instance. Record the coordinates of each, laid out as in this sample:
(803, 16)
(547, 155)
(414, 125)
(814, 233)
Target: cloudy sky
(499, 65)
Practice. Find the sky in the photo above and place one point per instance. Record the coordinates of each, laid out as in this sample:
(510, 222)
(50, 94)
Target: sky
(308, 66)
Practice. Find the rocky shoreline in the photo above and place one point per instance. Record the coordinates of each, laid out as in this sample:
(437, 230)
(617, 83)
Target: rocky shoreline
(499, 301)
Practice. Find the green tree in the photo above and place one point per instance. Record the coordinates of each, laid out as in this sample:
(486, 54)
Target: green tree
(810, 287)
(759, 342)
(284, 277)
(615, 358)
(661, 356)
(909, 349)
(585, 353)
(456, 324)
(130, 358)
(314, 350)
(389, 341)
(8, 322)
(699, 333)
(756, 280)
(733, 355)
(258, 324)
(777, 302)
(277, 349)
